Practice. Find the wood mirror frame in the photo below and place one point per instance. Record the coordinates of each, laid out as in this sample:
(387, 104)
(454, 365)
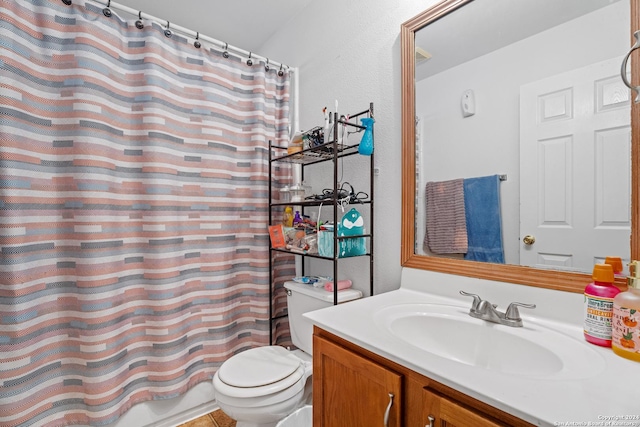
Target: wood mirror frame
(551, 279)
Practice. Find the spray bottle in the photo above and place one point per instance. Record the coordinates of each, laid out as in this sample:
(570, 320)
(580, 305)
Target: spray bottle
(626, 317)
(598, 305)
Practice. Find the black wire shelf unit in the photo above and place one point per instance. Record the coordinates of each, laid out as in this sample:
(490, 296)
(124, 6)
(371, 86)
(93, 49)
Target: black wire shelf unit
(334, 152)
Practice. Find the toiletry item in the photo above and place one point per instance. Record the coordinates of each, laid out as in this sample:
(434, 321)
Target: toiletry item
(598, 305)
(287, 218)
(316, 281)
(285, 194)
(297, 193)
(276, 234)
(329, 134)
(342, 130)
(297, 218)
(295, 145)
(342, 284)
(616, 263)
(327, 126)
(626, 317)
(366, 143)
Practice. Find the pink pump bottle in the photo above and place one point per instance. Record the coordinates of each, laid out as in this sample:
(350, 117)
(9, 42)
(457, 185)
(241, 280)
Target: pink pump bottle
(598, 305)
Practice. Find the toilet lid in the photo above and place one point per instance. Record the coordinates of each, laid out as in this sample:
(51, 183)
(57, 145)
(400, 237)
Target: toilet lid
(259, 366)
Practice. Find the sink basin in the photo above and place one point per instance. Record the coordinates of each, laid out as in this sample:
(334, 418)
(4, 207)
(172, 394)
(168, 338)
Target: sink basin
(449, 332)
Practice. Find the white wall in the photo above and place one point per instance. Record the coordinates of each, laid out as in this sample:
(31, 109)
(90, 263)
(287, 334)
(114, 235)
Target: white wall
(488, 142)
(350, 51)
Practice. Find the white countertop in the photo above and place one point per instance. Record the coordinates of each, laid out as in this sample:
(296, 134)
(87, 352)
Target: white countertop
(609, 394)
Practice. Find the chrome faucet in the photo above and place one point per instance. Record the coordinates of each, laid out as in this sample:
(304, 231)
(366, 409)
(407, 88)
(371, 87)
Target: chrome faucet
(482, 309)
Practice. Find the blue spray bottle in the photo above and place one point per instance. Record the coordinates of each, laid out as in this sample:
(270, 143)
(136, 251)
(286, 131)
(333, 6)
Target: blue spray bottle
(366, 143)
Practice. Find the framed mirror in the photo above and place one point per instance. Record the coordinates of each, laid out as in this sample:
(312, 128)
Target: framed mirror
(453, 44)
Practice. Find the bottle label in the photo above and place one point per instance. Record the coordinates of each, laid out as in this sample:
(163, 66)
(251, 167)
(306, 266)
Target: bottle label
(598, 312)
(626, 329)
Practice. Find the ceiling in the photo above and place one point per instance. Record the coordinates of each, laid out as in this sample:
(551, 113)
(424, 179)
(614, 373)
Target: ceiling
(245, 24)
(482, 27)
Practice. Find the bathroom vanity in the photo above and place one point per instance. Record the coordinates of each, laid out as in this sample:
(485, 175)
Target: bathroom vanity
(343, 371)
(419, 344)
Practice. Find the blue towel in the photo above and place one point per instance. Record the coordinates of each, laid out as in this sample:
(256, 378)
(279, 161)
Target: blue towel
(484, 222)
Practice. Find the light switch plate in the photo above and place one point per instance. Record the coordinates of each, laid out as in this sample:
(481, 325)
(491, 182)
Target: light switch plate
(468, 103)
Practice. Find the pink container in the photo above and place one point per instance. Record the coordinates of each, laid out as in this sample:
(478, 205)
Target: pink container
(598, 306)
(342, 284)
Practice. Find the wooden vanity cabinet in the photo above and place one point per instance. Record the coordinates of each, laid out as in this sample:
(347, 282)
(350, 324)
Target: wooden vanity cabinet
(351, 388)
(440, 411)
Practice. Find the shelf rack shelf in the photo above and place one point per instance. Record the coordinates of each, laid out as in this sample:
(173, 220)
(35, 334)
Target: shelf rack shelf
(334, 152)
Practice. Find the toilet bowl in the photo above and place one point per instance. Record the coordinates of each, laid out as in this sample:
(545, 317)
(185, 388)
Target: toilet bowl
(259, 387)
(263, 385)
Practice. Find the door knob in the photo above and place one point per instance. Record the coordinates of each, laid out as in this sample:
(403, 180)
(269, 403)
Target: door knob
(528, 239)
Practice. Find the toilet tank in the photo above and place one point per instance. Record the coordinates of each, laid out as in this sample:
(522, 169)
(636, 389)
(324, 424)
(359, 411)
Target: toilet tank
(302, 298)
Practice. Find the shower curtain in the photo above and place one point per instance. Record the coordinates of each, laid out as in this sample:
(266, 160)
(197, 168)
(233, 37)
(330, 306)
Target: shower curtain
(133, 211)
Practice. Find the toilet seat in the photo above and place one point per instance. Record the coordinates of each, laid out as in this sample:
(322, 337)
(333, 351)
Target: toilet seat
(261, 372)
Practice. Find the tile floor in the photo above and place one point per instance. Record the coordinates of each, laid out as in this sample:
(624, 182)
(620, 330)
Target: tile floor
(214, 419)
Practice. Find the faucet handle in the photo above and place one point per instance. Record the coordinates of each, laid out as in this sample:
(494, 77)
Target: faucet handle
(476, 300)
(512, 312)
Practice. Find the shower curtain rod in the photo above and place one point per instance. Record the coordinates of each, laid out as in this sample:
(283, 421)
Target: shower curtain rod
(195, 35)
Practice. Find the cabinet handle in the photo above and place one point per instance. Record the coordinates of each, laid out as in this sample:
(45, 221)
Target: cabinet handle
(431, 420)
(386, 413)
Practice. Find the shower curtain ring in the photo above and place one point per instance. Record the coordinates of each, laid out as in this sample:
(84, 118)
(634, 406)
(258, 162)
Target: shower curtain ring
(266, 66)
(67, 2)
(139, 23)
(168, 32)
(249, 61)
(106, 11)
(280, 72)
(225, 53)
(197, 43)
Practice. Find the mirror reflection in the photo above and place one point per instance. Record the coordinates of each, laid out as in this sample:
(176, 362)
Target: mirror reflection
(523, 136)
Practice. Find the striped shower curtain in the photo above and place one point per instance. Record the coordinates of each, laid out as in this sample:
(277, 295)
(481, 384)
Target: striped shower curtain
(133, 211)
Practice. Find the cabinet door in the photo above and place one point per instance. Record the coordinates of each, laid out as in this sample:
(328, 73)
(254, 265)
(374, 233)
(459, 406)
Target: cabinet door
(439, 411)
(350, 390)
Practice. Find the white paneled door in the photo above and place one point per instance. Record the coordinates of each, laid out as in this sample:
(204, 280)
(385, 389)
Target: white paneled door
(575, 138)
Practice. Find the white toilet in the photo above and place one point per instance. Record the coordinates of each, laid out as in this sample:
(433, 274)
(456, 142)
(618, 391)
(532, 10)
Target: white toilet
(261, 386)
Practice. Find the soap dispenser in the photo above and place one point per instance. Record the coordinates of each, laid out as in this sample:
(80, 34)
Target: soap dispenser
(626, 317)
